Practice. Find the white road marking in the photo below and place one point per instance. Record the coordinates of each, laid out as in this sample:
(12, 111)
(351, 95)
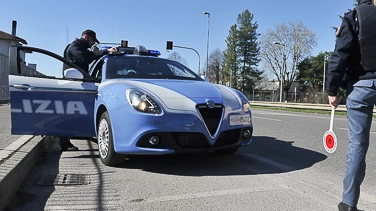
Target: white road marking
(341, 128)
(278, 120)
(304, 115)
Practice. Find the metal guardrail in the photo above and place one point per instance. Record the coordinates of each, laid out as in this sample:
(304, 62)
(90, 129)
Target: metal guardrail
(299, 105)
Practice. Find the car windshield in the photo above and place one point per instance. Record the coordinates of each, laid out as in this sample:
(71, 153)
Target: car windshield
(121, 66)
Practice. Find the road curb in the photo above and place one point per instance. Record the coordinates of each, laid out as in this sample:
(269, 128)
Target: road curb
(16, 162)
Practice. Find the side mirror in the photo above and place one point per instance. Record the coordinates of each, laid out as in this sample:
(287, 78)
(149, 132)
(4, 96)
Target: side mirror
(73, 74)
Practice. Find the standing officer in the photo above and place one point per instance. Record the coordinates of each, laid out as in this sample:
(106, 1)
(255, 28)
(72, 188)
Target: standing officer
(355, 55)
(78, 53)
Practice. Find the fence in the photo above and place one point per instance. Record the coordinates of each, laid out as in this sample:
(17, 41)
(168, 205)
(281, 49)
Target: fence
(300, 97)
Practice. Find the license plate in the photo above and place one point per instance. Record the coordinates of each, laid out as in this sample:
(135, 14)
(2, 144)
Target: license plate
(244, 119)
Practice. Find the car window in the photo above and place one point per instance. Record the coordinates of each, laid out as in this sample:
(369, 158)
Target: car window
(147, 67)
(177, 71)
(96, 71)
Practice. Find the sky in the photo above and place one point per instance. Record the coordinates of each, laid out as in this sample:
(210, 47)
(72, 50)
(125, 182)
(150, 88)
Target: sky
(51, 24)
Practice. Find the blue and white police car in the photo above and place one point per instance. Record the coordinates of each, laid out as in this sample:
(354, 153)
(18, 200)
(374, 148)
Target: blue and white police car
(132, 101)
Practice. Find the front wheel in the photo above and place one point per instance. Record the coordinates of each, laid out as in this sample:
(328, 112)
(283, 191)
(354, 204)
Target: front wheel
(106, 144)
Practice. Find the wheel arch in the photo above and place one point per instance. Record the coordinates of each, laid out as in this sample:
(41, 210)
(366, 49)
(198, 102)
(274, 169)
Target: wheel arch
(100, 111)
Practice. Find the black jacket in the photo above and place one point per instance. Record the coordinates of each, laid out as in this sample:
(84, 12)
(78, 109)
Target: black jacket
(347, 55)
(78, 53)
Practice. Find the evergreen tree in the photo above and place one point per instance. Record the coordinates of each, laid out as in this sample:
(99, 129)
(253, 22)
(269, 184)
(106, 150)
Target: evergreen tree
(311, 77)
(230, 64)
(247, 51)
(311, 72)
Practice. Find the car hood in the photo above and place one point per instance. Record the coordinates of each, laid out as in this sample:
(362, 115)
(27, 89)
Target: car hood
(175, 93)
(178, 88)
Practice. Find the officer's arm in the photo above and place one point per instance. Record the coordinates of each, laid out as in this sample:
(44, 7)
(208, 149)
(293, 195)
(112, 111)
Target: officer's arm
(338, 62)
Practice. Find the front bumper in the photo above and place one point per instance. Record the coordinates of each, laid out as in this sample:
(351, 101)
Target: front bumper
(181, 142)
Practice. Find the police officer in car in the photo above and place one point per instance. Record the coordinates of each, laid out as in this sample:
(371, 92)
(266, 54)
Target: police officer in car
(354, 59)
(79, 53)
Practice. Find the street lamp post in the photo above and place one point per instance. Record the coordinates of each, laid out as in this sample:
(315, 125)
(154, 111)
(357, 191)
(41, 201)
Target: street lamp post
(283, 67)
(207, 43)
(230, 78)
(323, 81)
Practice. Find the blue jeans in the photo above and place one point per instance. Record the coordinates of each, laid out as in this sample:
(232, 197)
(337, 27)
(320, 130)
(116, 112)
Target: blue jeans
(360, 102)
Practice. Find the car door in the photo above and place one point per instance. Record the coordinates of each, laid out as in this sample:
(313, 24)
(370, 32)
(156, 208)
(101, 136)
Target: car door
(43, 101)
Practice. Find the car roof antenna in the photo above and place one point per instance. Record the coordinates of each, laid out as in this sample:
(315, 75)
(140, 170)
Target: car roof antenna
(116, 37)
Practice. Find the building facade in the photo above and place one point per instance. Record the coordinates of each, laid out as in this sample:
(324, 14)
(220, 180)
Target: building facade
(6, 40)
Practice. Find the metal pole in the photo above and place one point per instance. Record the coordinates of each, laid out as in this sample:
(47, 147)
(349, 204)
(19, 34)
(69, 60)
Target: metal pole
(323, 81)
(280, 89)
(282, 72)
(284, 69)
(230, 78)
(194, 51)
(207, 43)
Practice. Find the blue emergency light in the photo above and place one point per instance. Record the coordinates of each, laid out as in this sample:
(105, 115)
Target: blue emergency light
(154, 53)
(103, 47)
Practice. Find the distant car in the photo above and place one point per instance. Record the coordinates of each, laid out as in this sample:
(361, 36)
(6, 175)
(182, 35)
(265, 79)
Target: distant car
(133, 102)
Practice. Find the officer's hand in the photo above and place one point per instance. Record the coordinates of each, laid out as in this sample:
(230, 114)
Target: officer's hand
(97, 52)
(334, 101)
(112, 50)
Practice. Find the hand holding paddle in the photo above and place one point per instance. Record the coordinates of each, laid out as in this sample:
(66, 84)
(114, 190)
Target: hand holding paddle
(329, 139)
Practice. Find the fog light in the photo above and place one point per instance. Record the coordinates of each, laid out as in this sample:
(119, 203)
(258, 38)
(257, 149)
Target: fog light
(154, 140)
(246, 134)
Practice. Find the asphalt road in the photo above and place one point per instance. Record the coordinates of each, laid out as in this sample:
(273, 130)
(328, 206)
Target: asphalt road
(285, 168)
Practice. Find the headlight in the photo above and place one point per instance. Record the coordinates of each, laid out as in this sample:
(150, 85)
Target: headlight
(245, 102)
(142, 102)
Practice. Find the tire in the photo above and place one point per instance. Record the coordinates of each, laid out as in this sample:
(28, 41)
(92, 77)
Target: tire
(106, 143)
(227, 151)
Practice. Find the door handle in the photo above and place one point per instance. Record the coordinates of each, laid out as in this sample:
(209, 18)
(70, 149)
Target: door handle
(23, 86)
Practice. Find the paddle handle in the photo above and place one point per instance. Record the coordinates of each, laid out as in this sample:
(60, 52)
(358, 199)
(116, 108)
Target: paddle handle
(331, 120)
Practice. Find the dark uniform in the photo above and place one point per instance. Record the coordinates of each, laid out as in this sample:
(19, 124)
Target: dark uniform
(353, 63)
(77, 52)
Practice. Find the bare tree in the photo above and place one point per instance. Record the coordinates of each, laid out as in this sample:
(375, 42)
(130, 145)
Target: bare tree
(215, 66)
(176, 57)
(284, 48)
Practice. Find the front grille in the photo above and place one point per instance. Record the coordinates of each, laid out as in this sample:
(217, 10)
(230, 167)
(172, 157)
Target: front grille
(190, 140)
(228, 137)
(211, 116)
